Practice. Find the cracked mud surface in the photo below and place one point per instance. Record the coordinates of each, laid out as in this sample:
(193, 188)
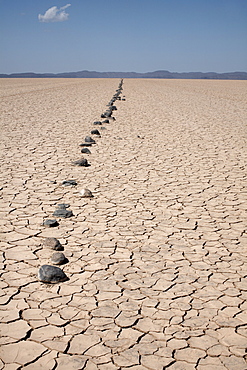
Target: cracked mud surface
(157, 258)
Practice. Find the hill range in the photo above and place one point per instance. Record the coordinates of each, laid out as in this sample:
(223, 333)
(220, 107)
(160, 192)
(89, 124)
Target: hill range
(156, 74)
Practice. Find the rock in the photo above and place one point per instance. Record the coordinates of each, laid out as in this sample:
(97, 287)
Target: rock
(69, 183)
(63, 205)
(81, 162)
(88, 139)
(51, 274)
(97, 123)
(62, 213)
(86, 144)
(58, 258)
(114, 107)
(106, 121)
(50, 223)
(95, 132)
(86, 193)
(53, 243)
(106, 115)
(85, 150)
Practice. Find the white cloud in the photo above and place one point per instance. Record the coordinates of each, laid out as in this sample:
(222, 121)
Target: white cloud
(54, 14)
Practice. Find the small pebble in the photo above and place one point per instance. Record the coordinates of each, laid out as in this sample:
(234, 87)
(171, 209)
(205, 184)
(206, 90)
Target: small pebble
(95, 132)
(81, 162)
(69, 183)
(53, 243)
(58, 258)
(97, 123)
(85, 144)
(51, 274)
(88, 139)
(50, 223)
(106, 121)
(85, 150)
(63, 205)
(62, 213)
(86, 193)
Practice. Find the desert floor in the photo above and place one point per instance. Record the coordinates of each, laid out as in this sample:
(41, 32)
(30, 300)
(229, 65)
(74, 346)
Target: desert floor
(157, 258)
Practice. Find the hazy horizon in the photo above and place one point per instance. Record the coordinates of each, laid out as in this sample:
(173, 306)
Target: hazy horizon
(129, 36)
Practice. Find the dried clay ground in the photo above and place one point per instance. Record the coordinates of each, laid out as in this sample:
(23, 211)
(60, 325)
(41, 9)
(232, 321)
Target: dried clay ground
(157, 258)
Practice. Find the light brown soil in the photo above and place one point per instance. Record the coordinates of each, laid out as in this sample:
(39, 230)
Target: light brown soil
(157, 258)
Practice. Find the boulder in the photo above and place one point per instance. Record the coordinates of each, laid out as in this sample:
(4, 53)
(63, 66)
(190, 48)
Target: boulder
(53, 243)
(50, 223)
(81, 162)
(51, 274)
(58, 258)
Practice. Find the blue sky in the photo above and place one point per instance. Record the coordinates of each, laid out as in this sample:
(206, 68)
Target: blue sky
(123, 35)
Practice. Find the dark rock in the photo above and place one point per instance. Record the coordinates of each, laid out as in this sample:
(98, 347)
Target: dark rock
(51, 274)
(50, 223)
(63, 205)
(53, 243)
(114, 107)
(62, 213)
(58, 258)
(85, 150)
(86, 144)
(106, 115)
(88, 139)
(69, 183)
(106, 121)
(97, 123)
(81, 162)
(95, 132)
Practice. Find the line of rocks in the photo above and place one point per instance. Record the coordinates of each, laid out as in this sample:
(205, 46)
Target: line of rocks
(52, 274)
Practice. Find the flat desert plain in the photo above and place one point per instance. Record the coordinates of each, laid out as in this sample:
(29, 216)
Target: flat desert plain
(156, 260)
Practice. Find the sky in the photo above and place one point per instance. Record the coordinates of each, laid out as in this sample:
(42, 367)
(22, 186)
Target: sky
(123, 35)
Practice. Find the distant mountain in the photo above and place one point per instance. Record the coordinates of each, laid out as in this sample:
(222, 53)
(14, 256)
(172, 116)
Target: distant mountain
(156, 74)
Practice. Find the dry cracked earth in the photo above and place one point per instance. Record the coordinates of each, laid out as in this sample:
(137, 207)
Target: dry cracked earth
(157, 258)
